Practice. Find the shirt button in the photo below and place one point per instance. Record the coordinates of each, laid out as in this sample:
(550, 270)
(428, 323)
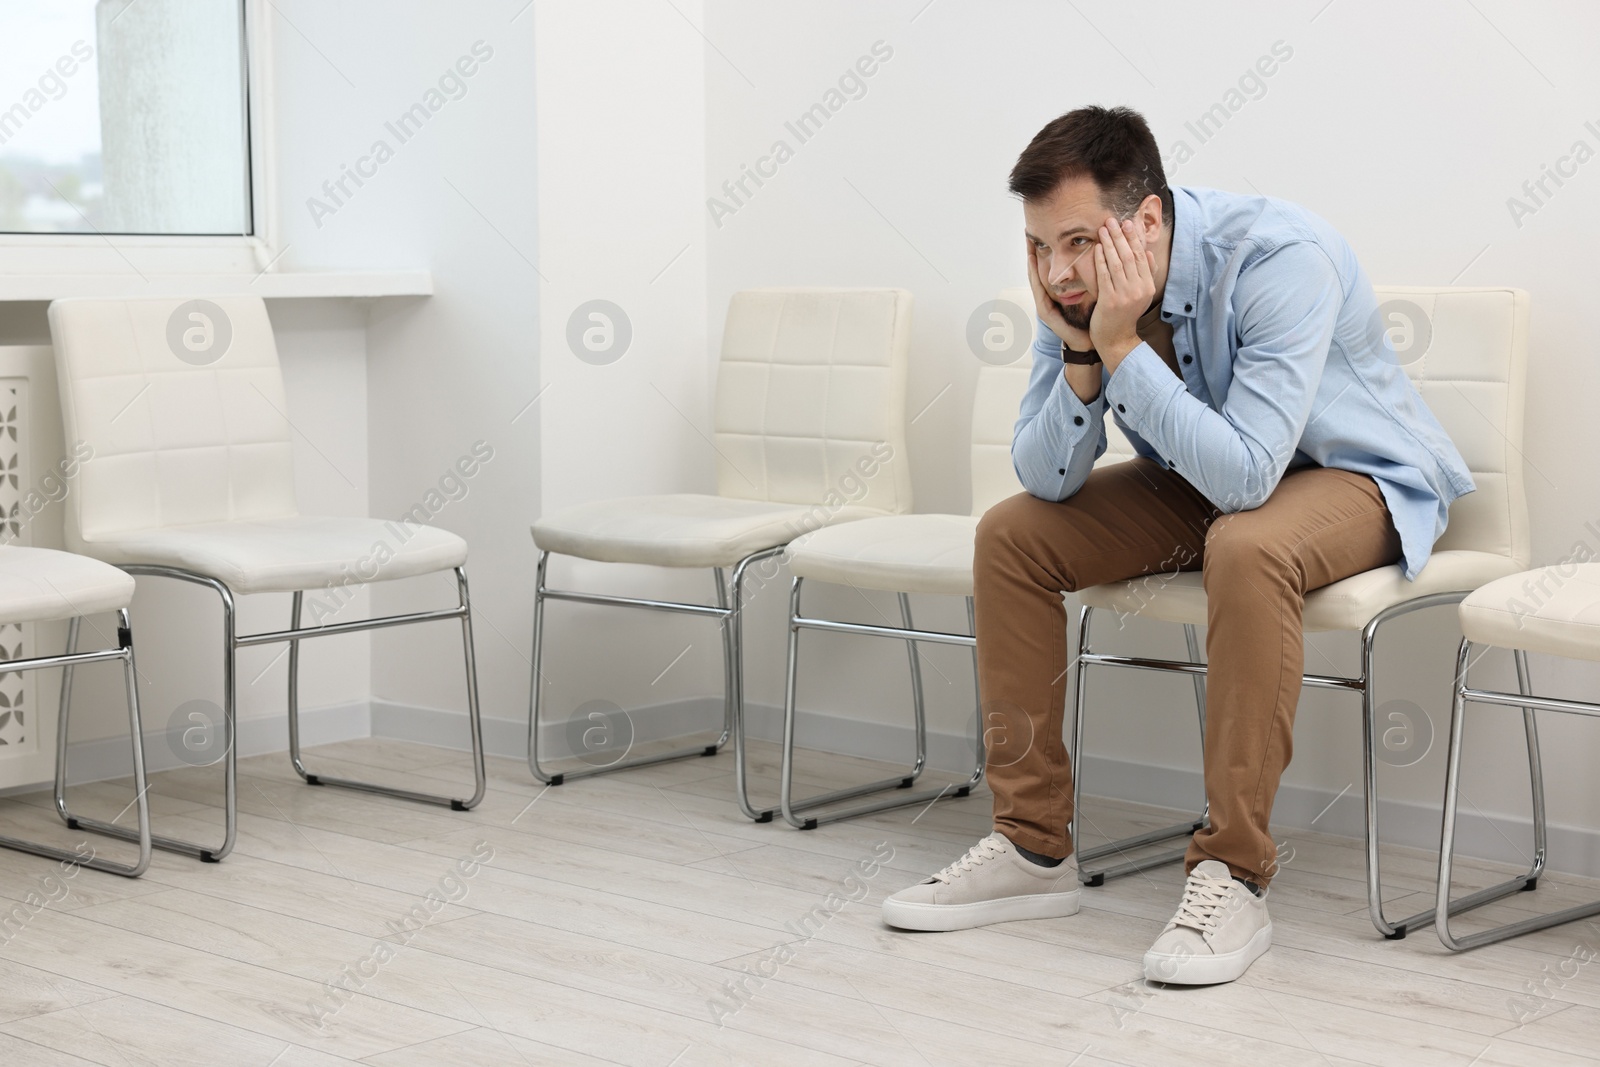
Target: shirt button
(1188, 359)
(1166, 314)
(1077, 420)
(1063, 470)
(1122, 409)
(1188, 307)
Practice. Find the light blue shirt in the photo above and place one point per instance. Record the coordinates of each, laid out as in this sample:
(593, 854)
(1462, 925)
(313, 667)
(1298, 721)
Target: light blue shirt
(1285, 362)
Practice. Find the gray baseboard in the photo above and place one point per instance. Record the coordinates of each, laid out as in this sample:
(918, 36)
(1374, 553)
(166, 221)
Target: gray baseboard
(105, 758)
(1572, 849)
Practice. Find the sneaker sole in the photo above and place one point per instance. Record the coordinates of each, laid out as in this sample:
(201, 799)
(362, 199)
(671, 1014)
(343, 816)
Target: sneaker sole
(905, 915)
(1174, 969)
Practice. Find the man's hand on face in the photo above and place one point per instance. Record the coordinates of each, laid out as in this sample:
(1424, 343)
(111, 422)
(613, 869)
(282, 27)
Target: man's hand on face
(1123, 268)
(1084, 379)
(1050, 311)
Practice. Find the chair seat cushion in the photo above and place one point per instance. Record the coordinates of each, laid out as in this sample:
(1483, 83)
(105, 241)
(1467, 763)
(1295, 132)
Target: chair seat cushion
(682, 529)
(898, 553)
(1348, 604)
(39, 585)
(283, 555)
(1548, 609)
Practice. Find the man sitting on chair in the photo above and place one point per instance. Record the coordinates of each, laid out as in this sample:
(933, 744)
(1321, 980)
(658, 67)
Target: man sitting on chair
(1238, 344)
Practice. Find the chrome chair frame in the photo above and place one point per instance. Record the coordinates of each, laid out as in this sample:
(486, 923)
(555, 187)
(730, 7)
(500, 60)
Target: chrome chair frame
(67, 661)
(232, 641)
(1447, 831)
(911, 636)
(1361, 684)
(1120, 847)
(728, 611)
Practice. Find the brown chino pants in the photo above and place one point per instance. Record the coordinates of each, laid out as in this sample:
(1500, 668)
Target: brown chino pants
(1136, 518)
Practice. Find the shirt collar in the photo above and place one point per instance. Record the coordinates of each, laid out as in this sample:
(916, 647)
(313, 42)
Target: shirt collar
(1181, 297)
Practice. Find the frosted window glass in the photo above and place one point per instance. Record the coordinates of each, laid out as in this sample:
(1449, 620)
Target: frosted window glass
(123, 116)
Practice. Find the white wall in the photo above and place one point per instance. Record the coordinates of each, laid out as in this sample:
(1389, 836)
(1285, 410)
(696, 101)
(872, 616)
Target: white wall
(621, 127)
(456, 196)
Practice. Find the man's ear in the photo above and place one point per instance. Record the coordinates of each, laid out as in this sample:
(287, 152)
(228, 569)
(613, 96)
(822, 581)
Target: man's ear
(1150, 212)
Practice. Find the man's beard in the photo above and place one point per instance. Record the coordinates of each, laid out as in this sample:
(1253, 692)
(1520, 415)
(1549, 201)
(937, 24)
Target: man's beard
(1077, 315)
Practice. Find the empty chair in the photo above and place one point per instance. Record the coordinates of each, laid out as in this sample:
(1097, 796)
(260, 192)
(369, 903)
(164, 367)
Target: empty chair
(192, 479)
(809, 431)
(39, 585)
(1555, 610)
(1471, 375)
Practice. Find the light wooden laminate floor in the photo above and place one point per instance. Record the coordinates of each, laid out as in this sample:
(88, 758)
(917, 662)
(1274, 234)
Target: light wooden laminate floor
(616, 912)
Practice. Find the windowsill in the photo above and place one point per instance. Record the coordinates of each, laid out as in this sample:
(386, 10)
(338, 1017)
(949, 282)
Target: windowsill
(284, 285)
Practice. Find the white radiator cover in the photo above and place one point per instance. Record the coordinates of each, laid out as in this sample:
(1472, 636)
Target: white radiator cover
(31, 491)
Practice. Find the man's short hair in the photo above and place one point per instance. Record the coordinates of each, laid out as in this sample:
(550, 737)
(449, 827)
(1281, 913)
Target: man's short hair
(1113, 146)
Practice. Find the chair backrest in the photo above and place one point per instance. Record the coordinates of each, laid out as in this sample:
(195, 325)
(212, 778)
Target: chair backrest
(811, 397)
(995, 406)
(1467, 352)
(182, 403)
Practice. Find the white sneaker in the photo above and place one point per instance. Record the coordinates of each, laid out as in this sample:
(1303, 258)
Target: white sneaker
(992, 883)
(1221, 929)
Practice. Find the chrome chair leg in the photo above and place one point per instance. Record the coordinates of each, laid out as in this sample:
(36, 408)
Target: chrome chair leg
(67, 661)
(727, 612)
(1362, 685)
(535, 703)
(1193, 641)
(733, 682)
(1444, 906)
(1530, 730)
(474, 722)
(232, 641)
(1369, 782)
(1096, 877)
(727, 690)
(63, 714)
(1080, 689)
(1392, 929)
(980, 749)
(480, 774)
(793, 811)
(230, 807)
(918, 704)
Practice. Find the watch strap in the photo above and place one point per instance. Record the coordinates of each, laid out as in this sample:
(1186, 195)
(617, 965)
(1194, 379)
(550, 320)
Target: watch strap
(1082, 359)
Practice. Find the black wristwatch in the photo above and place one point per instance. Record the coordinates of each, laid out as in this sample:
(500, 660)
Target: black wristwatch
(1082, 359)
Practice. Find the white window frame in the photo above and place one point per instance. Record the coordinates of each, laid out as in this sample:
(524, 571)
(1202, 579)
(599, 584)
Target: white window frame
(102, 254)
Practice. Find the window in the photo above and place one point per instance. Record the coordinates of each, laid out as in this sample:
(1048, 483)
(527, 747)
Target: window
(124, 117)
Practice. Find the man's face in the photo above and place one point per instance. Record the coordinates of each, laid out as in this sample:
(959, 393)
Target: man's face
(1064, 229)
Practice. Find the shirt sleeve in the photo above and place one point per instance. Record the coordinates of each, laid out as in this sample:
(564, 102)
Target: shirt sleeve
(1057, 437)
(1285, 306)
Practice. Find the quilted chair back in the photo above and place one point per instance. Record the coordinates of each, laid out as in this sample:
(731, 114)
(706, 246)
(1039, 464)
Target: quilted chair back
(182, 403)
(1467, 351)
(995, 407)
(810, 398)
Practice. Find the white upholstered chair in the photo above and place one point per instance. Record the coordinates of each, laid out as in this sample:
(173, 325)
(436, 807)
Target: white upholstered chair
(1554, 610)
(1471, 376)
(192, 478)
(40, 585)
(906, 554)
(809, 430)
